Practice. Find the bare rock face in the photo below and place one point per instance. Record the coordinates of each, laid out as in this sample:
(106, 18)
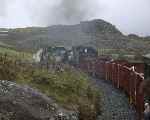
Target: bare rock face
(24, 103)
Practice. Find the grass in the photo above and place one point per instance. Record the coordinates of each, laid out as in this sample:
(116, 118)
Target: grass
(121, 54)
(70, 88)
(5, 45)
(11, 52)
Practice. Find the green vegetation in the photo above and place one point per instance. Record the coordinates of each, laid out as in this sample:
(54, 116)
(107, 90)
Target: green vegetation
(114, 51)
(70, 88)
(102, 35)
(122, 54)
(4, 45)
(12, 53)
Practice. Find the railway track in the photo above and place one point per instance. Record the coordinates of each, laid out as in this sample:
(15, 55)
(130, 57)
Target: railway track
(115, 104)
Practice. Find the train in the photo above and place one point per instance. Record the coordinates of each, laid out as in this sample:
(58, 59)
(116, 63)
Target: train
(123, 75)
(72, 55)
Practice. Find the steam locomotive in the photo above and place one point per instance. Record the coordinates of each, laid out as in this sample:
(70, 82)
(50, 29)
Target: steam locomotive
(73, 56)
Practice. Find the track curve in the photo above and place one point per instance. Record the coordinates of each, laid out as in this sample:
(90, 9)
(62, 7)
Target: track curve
(115, 104)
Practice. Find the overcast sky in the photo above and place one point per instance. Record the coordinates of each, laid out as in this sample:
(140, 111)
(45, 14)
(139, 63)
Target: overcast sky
(130, 16)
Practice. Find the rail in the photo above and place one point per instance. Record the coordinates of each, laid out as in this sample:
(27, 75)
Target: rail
(122, 77)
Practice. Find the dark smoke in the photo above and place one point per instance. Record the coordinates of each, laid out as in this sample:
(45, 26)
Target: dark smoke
(50, 12)
(71, 11)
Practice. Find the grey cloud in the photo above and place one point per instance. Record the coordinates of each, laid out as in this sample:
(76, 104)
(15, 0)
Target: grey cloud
(130, 16)
(73, 11)
(63, 11)
(2, 7)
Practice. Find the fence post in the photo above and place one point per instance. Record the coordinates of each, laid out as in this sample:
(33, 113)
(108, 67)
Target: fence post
(118, 79)
(106, 70)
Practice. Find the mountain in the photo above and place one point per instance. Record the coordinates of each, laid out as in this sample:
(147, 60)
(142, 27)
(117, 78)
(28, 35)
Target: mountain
(97, 33)
(84, 33)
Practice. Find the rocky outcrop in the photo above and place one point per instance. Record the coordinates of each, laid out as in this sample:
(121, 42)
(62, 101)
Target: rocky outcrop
(24, 103)
(67, 35)
(96, 33)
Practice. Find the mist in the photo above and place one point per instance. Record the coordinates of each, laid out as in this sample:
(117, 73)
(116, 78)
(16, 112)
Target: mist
(130, 16)
(63, 11)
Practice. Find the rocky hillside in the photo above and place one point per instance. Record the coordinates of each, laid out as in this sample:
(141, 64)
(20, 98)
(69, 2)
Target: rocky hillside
(24, 103)
(72, 90)
(84, 33)
(97, 33)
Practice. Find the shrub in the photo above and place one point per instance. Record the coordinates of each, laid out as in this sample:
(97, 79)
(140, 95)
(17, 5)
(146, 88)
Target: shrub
(70, 88)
